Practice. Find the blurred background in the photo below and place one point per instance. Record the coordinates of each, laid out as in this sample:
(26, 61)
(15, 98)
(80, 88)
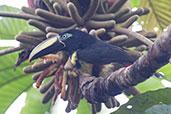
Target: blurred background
(18, 94)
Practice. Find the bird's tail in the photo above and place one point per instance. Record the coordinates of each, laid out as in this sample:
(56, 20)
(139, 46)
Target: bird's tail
(96, 70)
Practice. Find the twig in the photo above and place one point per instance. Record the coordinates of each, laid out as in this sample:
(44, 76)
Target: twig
(116, 6)
(21, 16)
(45, 87)
(38, 66)
(141, 48)
(100, 24)
(49, 94)
(28, 39)
(44, 74)
(100, 31)
(123, 18)
(28, 10)
(121, 13)
(36, 75)
(49, 6)
(133, 34)
(64, 81)
(37, 34)
(130, 21)
(58, 30)
(26, 46)
(57, 8)
(40, 25)
(149, 34)
(92, 9)
(74, 14)
(63, 5)
(58, 19)
(103, 17)
(10, 50)
(101, 8)
(146, 11)
(117, 39)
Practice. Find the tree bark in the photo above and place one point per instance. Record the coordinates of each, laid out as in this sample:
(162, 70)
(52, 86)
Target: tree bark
(101, 89)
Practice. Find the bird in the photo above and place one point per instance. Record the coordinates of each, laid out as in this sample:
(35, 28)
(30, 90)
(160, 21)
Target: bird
(82, 46)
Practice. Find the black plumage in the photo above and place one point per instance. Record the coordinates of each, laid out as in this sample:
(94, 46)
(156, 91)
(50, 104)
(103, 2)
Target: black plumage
(94, 51)
(101, 53)
(82, 47)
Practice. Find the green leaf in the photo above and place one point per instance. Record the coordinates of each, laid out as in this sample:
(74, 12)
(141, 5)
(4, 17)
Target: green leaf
(83, 107)
(159, 16)
(9, 27)
(152, 83)
(159, 109)
(12, 84)
(134, 3)
(166, 71)
(140, 103)
(11, 90)
(33, 103)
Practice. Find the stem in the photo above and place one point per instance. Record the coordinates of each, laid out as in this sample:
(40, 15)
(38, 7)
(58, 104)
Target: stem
(10, 50)
(133, 34)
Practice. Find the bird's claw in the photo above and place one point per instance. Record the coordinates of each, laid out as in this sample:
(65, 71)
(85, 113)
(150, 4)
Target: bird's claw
(71, 69)
(73, 72)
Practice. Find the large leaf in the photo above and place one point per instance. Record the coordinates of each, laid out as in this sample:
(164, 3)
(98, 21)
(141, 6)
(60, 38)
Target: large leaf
(84, 107)
(166, 71)
(159, 109)
(11, 90)
(9, 27)
(33, 103)
(12, 84)
(140, 103)
(152, 83)
(160, 15)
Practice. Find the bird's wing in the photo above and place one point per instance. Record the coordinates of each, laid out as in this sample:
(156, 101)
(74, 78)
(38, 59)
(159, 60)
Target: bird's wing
(102, 53)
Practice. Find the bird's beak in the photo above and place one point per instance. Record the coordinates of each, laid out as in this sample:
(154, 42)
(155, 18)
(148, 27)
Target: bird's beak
(51, 45)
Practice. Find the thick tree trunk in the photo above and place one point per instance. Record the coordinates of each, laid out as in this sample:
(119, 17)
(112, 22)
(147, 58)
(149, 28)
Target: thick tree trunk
(101, 89)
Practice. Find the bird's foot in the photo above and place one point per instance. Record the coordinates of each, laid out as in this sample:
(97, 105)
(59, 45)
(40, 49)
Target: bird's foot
(71, 69)
(73, 72)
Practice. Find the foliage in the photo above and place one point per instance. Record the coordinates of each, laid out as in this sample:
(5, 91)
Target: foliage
(159, 109)
(160, 15)
(158, 18)
(10, 27)
(33, 103)
(142, 103)
(12, 84)
(84, 107)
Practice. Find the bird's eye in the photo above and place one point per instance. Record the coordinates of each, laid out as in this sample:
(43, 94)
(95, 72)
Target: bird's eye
(64, 36)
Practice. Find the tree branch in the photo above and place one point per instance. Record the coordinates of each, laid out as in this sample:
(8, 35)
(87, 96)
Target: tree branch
(10, 50)
(101, 89)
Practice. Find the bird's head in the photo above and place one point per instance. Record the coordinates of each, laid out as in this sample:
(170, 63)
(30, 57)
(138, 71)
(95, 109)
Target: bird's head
(67, 41)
